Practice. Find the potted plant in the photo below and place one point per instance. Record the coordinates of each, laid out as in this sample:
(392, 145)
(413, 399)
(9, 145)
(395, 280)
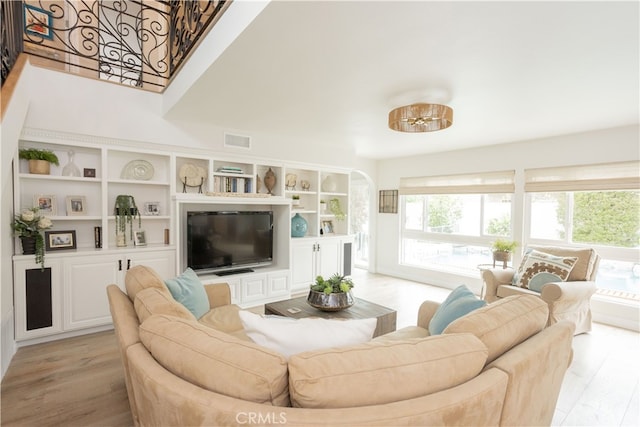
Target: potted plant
(502, 250)
(296, 199)
(39, 159)
(333, 294)
(336, 209)
(125, 211)
(323, 206)
(28, 226)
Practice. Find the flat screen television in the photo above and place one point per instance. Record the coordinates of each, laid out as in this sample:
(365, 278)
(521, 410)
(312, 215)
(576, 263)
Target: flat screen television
(229, 241)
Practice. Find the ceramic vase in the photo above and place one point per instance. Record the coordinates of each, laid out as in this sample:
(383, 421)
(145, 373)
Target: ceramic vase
(269, 180)
(298, 226)
(329, 184)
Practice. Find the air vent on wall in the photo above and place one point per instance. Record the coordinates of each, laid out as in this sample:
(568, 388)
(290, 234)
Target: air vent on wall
(237, 141)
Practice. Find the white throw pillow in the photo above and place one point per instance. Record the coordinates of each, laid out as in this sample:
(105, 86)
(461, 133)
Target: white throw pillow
(290, 336)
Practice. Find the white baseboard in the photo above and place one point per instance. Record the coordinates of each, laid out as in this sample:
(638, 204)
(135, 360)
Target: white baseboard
(618, 313)
(8, 342)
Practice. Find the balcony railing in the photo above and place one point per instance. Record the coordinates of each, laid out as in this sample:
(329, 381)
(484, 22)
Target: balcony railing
(136, 43)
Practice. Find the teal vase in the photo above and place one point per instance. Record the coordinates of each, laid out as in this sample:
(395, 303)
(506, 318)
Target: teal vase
(298, 226)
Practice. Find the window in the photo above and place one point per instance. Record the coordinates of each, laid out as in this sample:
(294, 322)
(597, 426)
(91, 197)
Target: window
(596, 206)
(450, 221)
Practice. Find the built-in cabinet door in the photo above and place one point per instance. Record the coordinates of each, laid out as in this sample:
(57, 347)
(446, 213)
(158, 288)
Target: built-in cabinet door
(278, 285)
(303, 261)
(37, 298)
(85, 282)
(254, 288)
(162, 262)
(328, 258)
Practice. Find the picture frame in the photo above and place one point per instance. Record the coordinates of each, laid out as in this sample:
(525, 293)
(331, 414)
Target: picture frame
(327, 227)
(388, 201)
(37, 22)
(89, 173)
(139, 238)
(59, 240)
(152, 208)
(47, 204)
(76, 205)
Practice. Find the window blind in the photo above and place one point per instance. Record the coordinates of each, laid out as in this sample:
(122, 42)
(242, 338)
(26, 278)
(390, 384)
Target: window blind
(607, 176)
(475, 183)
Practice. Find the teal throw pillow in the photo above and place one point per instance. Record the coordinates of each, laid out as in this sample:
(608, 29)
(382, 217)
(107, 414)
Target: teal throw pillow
(189, 291)
(460, 301)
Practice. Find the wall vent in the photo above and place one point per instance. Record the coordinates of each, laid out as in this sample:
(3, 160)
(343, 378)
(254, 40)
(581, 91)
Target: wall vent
(237, 141)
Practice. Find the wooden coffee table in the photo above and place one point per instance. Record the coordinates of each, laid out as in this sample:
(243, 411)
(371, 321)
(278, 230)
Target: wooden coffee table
(298, 308)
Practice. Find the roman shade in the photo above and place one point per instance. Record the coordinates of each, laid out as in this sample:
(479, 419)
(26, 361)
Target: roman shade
(475, 183)
(605, 176)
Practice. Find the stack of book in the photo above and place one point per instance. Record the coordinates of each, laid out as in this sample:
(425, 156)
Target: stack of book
(230, 169)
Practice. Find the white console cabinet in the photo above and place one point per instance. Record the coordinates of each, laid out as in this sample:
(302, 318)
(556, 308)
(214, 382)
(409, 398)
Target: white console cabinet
(325, 256)
(70, 294)
(251, 289)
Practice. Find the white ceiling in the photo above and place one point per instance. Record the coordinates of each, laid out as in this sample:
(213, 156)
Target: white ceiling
(330, 71)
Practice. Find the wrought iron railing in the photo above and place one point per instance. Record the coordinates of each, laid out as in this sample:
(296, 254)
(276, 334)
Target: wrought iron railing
(135, 43)
(10, 35)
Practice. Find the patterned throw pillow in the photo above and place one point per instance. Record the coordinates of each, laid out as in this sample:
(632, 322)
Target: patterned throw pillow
(539, 268)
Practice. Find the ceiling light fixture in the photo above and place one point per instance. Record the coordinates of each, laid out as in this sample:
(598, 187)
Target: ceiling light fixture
(420, 117)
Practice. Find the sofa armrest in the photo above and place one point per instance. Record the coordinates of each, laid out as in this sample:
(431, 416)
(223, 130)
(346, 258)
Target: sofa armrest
(494, 277)
(425, 313)
(219, 294)
(569, 291)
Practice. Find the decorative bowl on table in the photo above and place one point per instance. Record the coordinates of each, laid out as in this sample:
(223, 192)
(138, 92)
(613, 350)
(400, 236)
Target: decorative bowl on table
(333, 294)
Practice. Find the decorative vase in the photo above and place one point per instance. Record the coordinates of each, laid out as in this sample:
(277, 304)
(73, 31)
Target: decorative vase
(329, 184)
(70, 168)
(121, 240)
(298, 226)
(28, 245)
(330, 302)
(269, 180)
(40, 167)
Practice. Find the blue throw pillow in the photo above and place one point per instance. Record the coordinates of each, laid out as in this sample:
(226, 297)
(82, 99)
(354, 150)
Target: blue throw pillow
(189, 291)
(459, 302)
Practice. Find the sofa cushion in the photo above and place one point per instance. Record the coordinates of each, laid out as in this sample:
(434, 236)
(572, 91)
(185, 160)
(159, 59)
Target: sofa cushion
(152, 301)
(140, 277)
(504, 324)
(224, 318)
(458, 303)
(291, 336)
(189, 291)
(375, 373)
(583, 269)
(539, 268)
(216, 361)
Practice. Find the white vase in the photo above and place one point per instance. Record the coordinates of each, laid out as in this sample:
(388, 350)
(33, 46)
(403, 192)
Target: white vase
(329, 184)
(70, 168)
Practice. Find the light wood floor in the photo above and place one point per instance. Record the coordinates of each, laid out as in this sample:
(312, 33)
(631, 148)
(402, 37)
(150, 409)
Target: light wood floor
(79, 381)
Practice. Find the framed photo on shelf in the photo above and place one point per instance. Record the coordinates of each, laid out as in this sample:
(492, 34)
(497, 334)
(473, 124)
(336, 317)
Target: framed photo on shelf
(58, 240)
(89, 172)
(152, 208)
(76, 205)
(327, 227)
(139, 238)
(37, 22)
(46, 203)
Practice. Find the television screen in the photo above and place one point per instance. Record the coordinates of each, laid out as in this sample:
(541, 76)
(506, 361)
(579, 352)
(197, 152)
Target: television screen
(225, 241)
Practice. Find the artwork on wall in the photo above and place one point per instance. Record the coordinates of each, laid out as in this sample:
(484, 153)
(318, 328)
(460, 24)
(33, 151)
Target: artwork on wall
(388, 201)
(37, 22)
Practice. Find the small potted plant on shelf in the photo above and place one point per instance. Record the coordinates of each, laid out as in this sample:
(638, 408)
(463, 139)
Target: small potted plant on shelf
(39, 160)
(336, 209)
(295, 200)
(333, 294)
(125, 211)
(502, 250)
(323, 206)
(28, 226)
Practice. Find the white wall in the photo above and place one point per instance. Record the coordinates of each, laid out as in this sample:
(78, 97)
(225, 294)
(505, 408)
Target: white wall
(10, 129)
(609, 145)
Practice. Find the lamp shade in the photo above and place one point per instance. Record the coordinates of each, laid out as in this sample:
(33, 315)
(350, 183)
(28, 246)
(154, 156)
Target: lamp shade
(420, 118)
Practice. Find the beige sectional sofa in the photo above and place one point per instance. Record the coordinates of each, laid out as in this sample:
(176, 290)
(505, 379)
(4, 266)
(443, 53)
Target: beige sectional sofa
(498, 365)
